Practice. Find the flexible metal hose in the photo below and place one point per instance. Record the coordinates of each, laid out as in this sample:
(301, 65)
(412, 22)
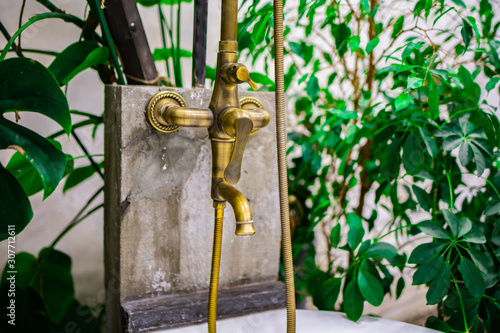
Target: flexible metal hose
(282, 167)
(214, 275)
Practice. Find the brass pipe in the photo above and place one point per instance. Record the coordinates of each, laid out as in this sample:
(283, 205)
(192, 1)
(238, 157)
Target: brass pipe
(241, 208)
(214, 275)
(282, 167)
(229, 20)
(187, 117)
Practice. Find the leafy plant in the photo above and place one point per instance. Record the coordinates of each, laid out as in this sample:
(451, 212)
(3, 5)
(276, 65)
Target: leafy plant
(392, 127)
(44, 291)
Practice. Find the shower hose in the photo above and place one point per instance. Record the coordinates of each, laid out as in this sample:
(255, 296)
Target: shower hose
(283, 193)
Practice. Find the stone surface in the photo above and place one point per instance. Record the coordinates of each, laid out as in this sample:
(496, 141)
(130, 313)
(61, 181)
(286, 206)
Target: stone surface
(146, 315)
(307, 322)
(159, 214)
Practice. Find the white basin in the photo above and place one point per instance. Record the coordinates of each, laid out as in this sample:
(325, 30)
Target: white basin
(307, 322)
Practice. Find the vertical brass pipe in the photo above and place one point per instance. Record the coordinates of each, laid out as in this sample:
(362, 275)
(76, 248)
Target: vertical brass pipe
(229, 20)
(214, 275)
(282, 167)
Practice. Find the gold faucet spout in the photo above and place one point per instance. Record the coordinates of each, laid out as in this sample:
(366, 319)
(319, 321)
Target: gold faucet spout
(241, 208)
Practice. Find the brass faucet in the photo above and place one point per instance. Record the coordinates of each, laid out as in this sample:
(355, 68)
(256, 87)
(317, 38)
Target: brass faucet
(229, 122)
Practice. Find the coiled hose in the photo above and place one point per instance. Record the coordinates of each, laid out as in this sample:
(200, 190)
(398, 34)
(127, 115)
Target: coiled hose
(282, 167)
(214, 275)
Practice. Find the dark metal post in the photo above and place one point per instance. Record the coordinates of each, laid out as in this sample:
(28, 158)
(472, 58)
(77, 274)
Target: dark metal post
(128, 34)
(200, 43)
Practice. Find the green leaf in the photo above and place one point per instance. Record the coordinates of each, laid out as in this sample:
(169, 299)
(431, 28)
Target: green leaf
(353, 301)
(475, 236)
(354, 42)
(465, 154)
(467, 33)
(165, 54)
(356, 230)
(403, 101)
(492, 208)
(413, 157)
(381, 250)
(15, 208)
(472, 277)
(425, 252)
(79, 175)
(25, 85)
(479, 159)
(429, 142)
(76, 58)
(492, 83)
(414, 83)
(49, 161)
(433, 229)
(56, 282)
(335, 236)
(424, 199)
(312, 88)
(325, 297)
(409, 49)
(261, 79)
(440, 285)
(365, 5)
(26, 269)
(398, 26)
(437, 324)
(427, 271)
(370, 288)
(372, 44)
(460, 3)
(480, 259)
(400, 286)
(452, 221)
(341, 33)
(25, 173)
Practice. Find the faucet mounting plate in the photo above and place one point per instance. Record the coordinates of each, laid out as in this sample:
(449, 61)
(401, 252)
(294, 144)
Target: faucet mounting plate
(154, 108)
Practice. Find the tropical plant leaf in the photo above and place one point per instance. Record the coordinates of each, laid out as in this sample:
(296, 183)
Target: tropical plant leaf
(425, 252)
(165, 54)
(15, 207)
(49, 161)
(424, 199)
(370, 288)
(492, 208)
(472, 277)
(26, 269)
(353, 301)
(380, 250)
(56, 286)
(25, 85)
(76, 58)
(433, 229)
(326, 295)
(440, 285)
(427, 271)
(356, 230)
(335, 236)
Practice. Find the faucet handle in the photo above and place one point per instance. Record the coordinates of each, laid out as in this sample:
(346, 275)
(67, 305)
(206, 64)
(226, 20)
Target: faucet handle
(237, 73)
(242, 127)
(244, 75)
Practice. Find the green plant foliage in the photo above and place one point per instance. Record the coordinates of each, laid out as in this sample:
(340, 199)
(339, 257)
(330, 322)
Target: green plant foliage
(390, 115)
(44, 291)
(15, 208)
(76, 58)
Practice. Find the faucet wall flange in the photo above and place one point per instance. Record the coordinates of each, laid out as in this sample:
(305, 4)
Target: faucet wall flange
(153, 112)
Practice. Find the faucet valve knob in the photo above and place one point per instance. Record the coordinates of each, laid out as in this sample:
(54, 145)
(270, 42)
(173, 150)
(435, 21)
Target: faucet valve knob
(243, 75)
(237, 73)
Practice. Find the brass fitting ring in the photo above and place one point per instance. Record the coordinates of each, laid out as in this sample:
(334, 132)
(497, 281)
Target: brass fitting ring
(251, 102)
(155, 105)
